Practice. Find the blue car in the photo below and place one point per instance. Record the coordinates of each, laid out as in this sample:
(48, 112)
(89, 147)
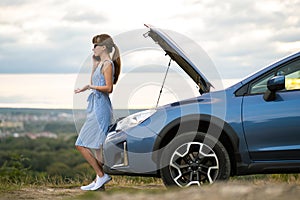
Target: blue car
(252, 127)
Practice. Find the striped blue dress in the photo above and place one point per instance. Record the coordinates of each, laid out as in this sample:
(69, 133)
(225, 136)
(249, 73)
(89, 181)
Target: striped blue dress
(99, 114)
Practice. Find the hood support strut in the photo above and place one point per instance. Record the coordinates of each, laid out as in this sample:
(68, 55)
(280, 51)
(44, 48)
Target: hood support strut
(163, 83)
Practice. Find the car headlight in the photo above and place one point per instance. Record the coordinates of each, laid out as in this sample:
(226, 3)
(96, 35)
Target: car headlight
(134, 119)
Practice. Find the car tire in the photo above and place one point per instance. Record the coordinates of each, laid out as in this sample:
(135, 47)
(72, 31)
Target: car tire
(194, 159)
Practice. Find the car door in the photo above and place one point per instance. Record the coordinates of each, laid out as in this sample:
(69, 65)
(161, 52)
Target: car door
(272, 128)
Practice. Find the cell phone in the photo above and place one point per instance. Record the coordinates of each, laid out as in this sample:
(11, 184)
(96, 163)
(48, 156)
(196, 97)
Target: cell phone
(96, 57)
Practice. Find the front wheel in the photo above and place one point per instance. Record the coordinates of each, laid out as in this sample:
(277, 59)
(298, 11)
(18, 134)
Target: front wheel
(194, 159)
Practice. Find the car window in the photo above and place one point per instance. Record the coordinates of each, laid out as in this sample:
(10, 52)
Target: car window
(291, 72)
(260, 86)
(292, 75)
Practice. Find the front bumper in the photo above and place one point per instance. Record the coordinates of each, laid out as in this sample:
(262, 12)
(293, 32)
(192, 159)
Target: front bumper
(130, 152)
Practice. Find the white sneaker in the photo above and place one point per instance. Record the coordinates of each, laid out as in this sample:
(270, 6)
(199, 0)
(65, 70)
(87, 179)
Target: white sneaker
(100, 181)
(89, 186)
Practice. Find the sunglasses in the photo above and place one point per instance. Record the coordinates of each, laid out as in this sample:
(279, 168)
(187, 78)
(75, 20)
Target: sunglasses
(97, 44)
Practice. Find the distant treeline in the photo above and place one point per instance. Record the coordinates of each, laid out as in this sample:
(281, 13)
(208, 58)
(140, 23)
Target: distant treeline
(38, 161)
(23, 157)
(43, 126)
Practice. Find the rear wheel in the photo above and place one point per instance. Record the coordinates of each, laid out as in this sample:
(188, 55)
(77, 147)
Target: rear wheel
(194, 159)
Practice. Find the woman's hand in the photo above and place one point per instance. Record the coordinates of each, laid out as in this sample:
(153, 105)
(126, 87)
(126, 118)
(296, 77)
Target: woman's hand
(78, 90)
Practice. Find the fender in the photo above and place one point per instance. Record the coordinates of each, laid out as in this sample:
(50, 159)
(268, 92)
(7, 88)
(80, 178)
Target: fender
(187, 123)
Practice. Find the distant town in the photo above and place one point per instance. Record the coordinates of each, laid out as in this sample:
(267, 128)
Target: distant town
(34, 123)
(44, 123)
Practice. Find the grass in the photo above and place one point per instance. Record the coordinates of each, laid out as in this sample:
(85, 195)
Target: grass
(126, 185)
(8, 184)
(270, 178)
(122, 184)
(135, 180)
(57, 187)
(124, 181)
(140, 187)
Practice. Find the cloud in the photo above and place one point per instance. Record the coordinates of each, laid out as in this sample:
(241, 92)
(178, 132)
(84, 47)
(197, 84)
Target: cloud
(242, 36)
(41, 40)
(12, 2)
(287, 35)
(54, 36)
(90, 17)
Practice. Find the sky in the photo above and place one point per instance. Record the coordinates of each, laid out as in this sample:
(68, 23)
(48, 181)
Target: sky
(54, 37)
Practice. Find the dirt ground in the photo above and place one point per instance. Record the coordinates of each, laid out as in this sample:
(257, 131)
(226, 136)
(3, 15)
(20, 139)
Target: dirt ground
(229, 190)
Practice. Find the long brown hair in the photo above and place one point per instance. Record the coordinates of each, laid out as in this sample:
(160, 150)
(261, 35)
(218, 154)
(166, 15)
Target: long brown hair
(107, 41)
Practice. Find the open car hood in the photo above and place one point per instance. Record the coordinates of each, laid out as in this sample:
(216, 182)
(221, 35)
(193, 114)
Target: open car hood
(178, 55)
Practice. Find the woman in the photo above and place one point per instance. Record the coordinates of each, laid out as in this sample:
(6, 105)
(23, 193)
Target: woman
(104, 74)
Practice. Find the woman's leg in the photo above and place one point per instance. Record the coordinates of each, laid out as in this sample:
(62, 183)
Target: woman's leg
(87, 154)
(99, 156)
(101, 178)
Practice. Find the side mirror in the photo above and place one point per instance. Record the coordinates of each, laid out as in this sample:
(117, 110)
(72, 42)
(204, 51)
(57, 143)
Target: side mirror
(274, 84)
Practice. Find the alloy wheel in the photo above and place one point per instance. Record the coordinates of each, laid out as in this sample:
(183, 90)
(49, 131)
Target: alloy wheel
(194, 163)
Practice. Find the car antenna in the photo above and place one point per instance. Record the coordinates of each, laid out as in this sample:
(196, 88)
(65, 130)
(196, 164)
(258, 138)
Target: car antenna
(162, 86)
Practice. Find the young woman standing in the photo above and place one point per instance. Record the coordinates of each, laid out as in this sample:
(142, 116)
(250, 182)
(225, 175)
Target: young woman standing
(104, 74)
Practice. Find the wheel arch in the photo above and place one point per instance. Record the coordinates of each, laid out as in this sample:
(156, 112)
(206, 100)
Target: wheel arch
(204, 123)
